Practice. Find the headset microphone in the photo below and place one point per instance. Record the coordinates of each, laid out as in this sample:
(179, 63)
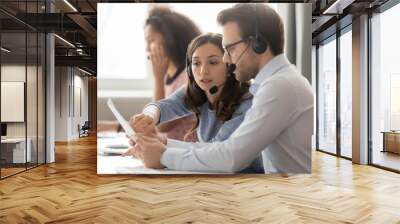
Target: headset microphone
(213, 90)
(231, 69)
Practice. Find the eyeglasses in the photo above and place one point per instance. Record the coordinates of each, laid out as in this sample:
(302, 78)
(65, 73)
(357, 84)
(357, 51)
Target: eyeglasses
(227, 47)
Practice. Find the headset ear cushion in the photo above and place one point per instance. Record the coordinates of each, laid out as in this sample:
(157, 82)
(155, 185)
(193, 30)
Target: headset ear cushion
(189, 72)
(259, 45)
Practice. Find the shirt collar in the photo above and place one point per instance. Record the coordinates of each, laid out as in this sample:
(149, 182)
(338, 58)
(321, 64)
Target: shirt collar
(268, 70)
(253, 88)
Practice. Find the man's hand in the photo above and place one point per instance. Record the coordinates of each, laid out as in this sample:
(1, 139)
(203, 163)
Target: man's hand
(150, 150)
(133, 151)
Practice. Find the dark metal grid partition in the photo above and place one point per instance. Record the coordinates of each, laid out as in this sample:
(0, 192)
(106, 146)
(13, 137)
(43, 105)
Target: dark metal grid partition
(0, 99)
(29, 29)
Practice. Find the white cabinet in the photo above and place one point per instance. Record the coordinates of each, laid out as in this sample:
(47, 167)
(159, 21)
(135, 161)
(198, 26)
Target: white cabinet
(17, 147)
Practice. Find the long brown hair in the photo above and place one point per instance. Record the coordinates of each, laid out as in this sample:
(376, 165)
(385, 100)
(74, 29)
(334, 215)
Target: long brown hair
(231, 95)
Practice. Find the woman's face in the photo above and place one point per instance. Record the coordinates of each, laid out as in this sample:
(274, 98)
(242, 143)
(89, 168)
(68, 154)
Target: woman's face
(152, 37)
(207, 67)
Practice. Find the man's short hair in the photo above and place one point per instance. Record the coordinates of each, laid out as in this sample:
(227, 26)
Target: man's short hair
(270, 25)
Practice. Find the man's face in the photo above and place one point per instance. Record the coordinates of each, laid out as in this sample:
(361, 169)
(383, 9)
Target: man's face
(239, 52)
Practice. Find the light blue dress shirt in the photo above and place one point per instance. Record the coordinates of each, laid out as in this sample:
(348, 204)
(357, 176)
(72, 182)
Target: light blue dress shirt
(210, 129)
(279, 124)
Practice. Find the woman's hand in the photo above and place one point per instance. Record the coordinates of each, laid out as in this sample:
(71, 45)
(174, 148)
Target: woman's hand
(143, 124)
(159, 61)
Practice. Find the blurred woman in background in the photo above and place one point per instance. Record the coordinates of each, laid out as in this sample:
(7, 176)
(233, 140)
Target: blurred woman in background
(168, 35)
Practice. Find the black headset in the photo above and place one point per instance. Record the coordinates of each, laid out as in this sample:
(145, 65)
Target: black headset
(189, 69)
(259, 44)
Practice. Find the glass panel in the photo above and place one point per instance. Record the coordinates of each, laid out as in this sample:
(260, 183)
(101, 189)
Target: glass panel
(23, 87)
(385, 81)
(31, 100)
(327, 97)
(346, 94)
(13, 86)
(313, 81)
(41, 99)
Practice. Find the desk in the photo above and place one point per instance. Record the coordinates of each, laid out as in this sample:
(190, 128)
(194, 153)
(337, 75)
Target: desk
(391, 141)
(16, 151)
(127, 164)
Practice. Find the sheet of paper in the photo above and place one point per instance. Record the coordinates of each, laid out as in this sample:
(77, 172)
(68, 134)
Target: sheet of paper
(109, 162)
(131, 165)
(112, 146)
(125, 125)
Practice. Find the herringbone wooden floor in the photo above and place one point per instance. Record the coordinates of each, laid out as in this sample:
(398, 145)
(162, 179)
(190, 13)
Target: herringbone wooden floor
(70, 191)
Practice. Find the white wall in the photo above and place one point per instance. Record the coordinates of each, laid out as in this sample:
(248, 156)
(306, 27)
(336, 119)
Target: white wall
(33, 126)
(314, 87)
(62, 81)
(12, 73)
(67, 115)
(80, 83)
(129, 96)
(128, 106)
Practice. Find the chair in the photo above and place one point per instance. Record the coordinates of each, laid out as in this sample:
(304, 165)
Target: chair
(84, 130)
